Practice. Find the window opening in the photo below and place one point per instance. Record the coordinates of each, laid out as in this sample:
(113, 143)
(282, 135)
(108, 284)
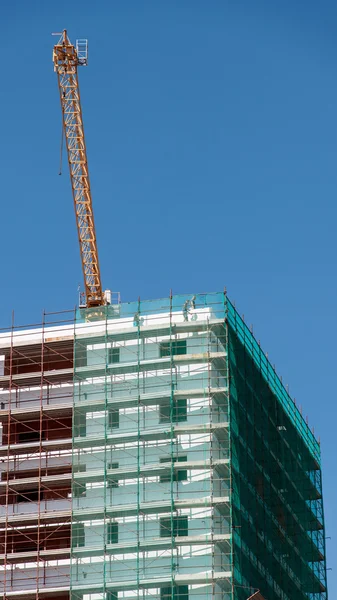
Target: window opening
(174, 592)
(79, 488)
(174, 527)
(78, 537)
(173, 347)
(177, 475)
(113, 414)
(80, 424)
(179, 411)
(112, 483)
(29, 436)
(29, 496)
(114, 355)
(112, 533)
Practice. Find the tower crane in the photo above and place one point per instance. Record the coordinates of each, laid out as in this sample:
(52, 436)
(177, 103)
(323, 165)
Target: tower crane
(67, 58)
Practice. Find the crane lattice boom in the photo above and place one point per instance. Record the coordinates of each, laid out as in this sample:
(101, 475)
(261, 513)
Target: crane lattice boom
(66, 59)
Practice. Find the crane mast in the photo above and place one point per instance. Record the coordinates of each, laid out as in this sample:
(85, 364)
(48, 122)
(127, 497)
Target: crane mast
(66, 60)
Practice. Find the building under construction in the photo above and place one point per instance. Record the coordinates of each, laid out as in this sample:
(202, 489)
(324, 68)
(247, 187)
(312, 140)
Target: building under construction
(150, 451)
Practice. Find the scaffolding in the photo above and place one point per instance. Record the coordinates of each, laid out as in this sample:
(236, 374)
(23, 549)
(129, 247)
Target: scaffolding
(149, 450)
(36, 395)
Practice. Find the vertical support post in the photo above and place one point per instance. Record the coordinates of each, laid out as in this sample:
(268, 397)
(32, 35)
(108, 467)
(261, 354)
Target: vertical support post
(211, 447)
(9, 435)
(40, 461)
(171, 450)
(138, 440)
(106, 519)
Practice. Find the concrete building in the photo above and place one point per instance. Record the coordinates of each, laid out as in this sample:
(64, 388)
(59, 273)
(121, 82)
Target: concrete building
(150, 451)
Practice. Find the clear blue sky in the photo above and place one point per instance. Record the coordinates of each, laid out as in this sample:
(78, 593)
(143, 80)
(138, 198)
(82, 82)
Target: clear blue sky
(212, 140)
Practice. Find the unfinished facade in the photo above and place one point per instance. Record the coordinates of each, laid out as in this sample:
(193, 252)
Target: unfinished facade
(150, 451)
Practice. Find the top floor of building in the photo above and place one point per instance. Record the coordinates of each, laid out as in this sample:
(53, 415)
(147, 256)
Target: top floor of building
(128, 336)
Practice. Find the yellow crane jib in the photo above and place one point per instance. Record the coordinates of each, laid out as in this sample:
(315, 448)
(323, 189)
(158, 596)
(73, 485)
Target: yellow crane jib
(67, 58)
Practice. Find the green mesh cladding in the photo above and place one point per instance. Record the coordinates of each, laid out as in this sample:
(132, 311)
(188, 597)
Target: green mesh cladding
(194, 475)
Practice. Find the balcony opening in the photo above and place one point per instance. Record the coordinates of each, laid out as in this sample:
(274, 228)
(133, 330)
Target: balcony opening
(31, 431)
(32, 539)
(35, 358)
